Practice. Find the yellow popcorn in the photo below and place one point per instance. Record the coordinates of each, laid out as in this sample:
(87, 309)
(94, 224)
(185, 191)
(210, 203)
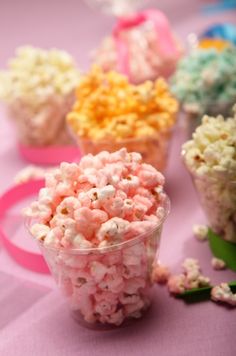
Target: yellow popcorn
(108, 106)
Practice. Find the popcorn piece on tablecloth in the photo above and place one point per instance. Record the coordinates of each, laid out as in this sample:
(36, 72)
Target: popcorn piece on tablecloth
(217, 263)
(210, 158)
(222, 293)
(200, 232)
(30, 172)
(98, 223)
(160, 273)
(38, 89)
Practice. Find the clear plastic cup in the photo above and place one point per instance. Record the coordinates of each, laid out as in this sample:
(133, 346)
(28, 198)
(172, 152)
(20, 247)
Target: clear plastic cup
(217, 196)
(108, 286)
(154, 149)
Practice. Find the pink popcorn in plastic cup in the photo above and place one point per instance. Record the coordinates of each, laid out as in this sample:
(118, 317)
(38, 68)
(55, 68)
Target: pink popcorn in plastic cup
(98, 225)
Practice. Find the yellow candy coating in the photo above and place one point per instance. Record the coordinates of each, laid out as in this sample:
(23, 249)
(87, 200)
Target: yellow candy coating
(216, 43)
(108, 106)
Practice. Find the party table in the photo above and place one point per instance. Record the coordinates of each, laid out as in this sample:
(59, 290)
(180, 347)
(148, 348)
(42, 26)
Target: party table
(34, 319)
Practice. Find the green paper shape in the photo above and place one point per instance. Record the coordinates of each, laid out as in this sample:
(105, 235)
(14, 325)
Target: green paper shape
(222, 249)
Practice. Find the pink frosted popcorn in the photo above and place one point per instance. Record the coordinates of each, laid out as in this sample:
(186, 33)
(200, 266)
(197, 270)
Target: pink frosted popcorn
(176, 284)
(160, 274)
(98, 224)
(146, 60)
(222, 293)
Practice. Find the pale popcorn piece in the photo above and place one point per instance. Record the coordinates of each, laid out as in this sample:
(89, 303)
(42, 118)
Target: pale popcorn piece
(28, 173)
(200, 232)
(176, 284)
(217, 263)
(222, 293)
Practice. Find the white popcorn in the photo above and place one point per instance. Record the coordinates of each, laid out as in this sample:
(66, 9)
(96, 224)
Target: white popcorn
(217, 263)
(211, 159)
(200, 232)
(39, 91)
(222, 293)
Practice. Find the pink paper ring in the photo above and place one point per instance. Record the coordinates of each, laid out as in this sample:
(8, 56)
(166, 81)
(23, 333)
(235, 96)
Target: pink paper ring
(30, 260)
(166, 42)
(50, 155)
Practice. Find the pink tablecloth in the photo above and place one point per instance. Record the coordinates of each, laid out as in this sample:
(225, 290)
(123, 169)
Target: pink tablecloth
(33, 316)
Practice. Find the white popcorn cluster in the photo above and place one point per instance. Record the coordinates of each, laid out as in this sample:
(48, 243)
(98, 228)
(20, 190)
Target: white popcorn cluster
(211, 159)
(190, 278)
(38, 88)
(222, 293)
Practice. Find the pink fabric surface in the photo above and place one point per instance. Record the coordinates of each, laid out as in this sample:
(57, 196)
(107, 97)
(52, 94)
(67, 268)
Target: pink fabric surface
(34, 319)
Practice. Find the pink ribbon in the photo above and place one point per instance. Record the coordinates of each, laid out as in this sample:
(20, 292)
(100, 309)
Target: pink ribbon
(165, 39)
(30, 260)
(50, 155)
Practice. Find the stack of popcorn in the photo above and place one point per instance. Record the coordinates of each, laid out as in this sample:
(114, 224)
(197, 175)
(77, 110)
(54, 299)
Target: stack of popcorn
(98, 224)
(146, 59)
(110, 113)
(38, 89)
(210, 157)
(205, 82)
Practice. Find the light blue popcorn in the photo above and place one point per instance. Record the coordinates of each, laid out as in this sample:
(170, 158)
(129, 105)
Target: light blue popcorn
(205, 81)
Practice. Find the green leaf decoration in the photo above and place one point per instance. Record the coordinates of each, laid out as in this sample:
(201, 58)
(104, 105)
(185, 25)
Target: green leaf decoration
(222, 249)
(196, 294)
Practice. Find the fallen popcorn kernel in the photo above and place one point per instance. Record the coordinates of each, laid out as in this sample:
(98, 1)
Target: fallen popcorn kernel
(30, 172)
(200, 232)
(222, 293)
(160, 273)
(218, 263)
(176, 284)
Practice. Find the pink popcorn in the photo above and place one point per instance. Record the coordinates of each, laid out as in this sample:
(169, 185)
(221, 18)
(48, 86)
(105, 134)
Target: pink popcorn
(68, 206)
(160, 273)
(176, 284)
(222, 293)
(89, 220)
(146, 60)
(98, 224)
(113, 230)
(149, 176)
